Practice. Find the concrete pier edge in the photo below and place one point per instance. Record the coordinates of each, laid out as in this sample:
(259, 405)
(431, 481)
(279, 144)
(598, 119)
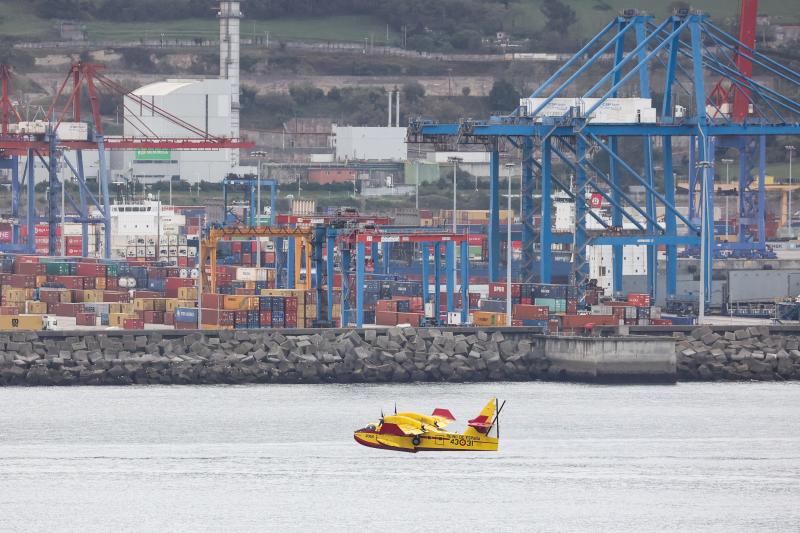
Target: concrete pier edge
(391, 355)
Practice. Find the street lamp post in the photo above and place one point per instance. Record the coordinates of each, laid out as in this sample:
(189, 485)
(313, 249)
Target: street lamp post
(790, 148)
(455, 161)
(704, 166)
(508, 166)
(727, 162)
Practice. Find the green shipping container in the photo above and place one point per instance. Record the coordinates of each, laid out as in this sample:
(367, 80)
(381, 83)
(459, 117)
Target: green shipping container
(112, 271)
(58, 269)
(555, 305)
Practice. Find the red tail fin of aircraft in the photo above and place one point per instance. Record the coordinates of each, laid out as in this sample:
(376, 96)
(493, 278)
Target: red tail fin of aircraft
(444, 413)
(483, 422)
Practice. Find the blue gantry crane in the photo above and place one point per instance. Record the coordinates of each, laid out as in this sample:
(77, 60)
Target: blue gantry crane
(577, 123)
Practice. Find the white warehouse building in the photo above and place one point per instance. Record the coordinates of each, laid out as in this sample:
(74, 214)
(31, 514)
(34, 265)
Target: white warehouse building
(369, 143)
(206, 104)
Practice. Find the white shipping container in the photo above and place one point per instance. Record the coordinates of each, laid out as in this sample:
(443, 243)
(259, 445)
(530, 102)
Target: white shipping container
(611, 111)
(73, 131)
(251, 274)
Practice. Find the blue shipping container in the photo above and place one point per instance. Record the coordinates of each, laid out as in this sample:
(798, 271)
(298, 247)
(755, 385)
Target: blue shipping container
(186, 314)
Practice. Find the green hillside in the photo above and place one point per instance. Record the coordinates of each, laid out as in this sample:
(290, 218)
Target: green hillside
(520, 17)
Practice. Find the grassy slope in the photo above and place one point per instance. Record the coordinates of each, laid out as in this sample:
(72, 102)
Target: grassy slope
(338, 28)
(591, 20)
(18, 21)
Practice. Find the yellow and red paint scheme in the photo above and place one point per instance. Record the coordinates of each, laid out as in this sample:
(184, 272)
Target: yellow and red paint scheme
(413, 432)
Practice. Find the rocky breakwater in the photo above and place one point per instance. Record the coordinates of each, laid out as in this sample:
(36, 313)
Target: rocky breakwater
(233, 357)
(753, 353)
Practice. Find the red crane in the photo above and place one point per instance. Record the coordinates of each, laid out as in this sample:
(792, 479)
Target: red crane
(40, 145)
(724, 91)
(91, 76)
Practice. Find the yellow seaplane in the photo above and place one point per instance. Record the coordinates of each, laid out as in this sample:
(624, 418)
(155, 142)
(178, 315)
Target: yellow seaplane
(413, 432)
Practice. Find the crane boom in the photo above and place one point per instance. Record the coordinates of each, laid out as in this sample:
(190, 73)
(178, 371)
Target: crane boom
(748, 15)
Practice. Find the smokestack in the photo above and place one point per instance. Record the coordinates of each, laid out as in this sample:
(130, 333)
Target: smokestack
(229, 16)
(397, 115)
(389, 119)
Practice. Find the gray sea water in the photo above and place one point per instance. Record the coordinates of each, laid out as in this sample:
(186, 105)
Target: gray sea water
(691, 457)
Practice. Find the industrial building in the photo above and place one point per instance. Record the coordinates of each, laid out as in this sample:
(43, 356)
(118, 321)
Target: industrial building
(206, 104)
(369, 143)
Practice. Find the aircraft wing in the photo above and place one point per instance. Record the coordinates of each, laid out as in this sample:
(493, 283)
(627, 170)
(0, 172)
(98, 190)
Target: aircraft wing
(410, 430)
(441, 422)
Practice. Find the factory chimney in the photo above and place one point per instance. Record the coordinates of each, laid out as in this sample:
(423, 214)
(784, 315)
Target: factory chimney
(229, 16)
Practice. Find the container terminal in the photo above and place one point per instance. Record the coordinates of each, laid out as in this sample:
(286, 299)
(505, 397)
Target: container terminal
(594, 237)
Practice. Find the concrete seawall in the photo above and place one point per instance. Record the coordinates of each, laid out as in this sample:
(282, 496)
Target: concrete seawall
(389, 355)
(309, 356)
(612, 359)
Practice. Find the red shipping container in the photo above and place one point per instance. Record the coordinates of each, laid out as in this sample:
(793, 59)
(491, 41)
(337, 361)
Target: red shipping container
(85, 319)
(498, 290)
(572, 306)
(386, 305)
(21, 281)
(153, 317)
(515, 289)
(185, 325)
(49, 296)
(90, 270)
(147, 294)
(385, 318)
(212, 300)
(530, 312)
(169, 318)
(9, 310)
(65, 309)
(639, 300)
(266, 318)
(171, 286)
(290, 304)
(409, 318)
(240, 317)
(132, 323)
(217, 317)
(70, 282)
(30, 269)
(116, 296)
(581, 321)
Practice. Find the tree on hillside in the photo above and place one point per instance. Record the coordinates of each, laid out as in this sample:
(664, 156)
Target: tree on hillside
(559, 15)
(413, 91)
(503, 96)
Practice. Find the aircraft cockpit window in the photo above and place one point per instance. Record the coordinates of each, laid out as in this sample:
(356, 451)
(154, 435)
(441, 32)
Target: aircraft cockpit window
(371, 427)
